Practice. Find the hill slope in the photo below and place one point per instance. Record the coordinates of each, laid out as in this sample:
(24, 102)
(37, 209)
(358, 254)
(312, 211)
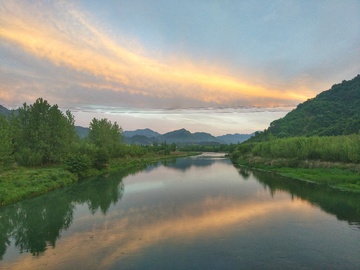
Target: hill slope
(332, 112)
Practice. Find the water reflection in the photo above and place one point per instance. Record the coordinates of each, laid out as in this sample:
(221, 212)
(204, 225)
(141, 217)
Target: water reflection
(36, 224)
(33, 225)
(183, 203)
(344, 205)
(204, 160)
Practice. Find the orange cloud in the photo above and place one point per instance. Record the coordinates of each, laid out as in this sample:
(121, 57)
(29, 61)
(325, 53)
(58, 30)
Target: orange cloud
(75, 43)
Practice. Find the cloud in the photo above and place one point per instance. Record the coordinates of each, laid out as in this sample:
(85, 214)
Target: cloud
(216, 120)
(61, 35)
(143, 56)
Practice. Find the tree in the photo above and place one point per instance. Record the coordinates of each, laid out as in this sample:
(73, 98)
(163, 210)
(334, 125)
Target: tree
(6, 145)
(42, 133)
(105, 135)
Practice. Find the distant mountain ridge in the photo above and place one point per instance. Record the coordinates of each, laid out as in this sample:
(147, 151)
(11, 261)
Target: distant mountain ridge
(332, 112)
(82, 131)
(142, 132)
(5, 111)
(182, 136)
(233, 138)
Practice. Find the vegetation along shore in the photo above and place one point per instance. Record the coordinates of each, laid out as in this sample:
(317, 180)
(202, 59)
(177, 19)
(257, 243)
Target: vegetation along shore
(319, 141)
(40, 151)
(330, 161)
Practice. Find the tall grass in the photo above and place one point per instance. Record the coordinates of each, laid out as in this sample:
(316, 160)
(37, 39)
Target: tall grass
(328, 148)
(22, 183)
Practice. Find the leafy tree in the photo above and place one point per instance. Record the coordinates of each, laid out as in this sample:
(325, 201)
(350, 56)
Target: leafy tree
(105, 135)
(42, 133)
(102, 158)
(6, 145)
(173, 147)
(78, 163)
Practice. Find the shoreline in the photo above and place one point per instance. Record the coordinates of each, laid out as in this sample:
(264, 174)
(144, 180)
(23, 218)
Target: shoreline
(24, 183)
(338, 177)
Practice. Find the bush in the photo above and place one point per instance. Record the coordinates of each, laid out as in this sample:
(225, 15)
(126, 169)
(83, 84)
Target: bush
(27, 157)
(102, 158)
(78, 163)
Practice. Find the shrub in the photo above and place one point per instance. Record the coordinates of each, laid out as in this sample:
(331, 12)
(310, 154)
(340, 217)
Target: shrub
(78, 163)
(102, 158)
(27, 157)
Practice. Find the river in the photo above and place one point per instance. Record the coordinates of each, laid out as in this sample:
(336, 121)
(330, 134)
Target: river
(189, 213)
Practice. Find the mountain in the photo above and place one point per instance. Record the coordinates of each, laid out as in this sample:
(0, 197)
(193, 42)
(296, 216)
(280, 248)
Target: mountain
(141, 136)
(332, 112)
(233, 138)
(142, 132)
(82, 131)
(177, 136)
(181, 137)
(140, 140)
(5, 111)
(203, 137)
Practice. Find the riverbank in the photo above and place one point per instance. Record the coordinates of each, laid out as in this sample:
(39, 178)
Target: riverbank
(22, 183)
(341, 176)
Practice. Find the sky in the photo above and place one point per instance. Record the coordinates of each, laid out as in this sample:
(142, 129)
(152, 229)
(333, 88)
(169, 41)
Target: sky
(226, 66)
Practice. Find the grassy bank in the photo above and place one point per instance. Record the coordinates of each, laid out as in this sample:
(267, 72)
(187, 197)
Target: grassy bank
(342, 176)
(22, 183)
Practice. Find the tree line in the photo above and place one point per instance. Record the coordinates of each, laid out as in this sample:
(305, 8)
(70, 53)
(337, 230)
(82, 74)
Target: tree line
(40, 134)
(208, 147)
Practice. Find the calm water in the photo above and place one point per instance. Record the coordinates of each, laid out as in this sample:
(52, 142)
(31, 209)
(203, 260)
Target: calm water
(192, 213)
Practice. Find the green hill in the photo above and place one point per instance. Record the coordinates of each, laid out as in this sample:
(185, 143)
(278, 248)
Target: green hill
(332, 112)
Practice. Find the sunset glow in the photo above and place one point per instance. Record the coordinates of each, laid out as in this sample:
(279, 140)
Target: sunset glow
(63, 50)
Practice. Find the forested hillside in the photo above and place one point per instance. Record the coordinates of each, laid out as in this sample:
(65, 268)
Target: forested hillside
(318, 141)
(332, 112)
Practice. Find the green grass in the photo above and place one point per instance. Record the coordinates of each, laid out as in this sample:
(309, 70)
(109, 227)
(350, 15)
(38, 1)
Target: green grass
(22, 183)
(335, 175)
